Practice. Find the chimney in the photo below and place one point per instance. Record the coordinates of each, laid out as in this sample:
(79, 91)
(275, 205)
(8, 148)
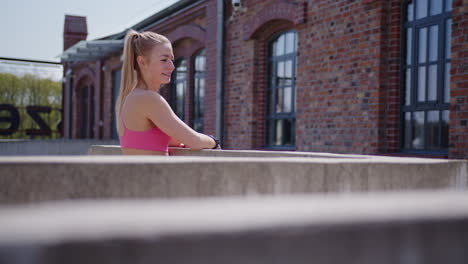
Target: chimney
(74, 30)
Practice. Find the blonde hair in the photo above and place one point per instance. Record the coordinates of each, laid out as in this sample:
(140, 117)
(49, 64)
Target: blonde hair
(135, 44)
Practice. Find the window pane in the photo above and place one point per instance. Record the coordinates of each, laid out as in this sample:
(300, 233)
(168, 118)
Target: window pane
(409, 47)
(445, 128)
(203, 63)
(408, 87)
(280, 73)
(280, 46)
(182, 66)
(287, 129)
(418, 131)
(433, 130)
(180, 75)
(280, 69)
(279, 100)
(197, 125)
(422, 45)
(290, 45)
(180, 98)
(448, 5)
(447, 83)
(421, 8)
(202, 95)
(288, 72)
(436, 7)
(196, 102)
(409, 11)
(422, 84)
(432, 83)
(433, 40)
(279, 132)
(407, 129)
(448, 37)
(197, 63)
(287, 99)
(200, 62)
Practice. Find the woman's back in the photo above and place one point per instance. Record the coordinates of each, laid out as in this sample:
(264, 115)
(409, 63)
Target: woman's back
(138, 134)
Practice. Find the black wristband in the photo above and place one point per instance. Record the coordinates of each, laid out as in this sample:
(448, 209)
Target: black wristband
(216, 140)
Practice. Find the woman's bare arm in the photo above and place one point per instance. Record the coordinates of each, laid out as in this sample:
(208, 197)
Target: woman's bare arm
(155, 108)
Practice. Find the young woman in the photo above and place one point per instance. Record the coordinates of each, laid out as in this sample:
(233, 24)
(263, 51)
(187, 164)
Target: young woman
(146, 123)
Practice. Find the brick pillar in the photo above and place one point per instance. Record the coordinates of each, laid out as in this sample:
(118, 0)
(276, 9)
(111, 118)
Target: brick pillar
(458, 126)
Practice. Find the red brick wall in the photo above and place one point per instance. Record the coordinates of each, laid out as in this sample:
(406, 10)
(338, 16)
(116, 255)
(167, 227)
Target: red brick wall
(458, 127)
(338, 80)
(389, 74)
(340, 83)
(245, 61)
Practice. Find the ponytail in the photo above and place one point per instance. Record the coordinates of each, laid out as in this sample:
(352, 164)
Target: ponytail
(129, 78)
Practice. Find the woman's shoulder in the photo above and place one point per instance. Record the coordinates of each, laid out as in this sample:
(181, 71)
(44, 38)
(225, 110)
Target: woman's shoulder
(144, 98)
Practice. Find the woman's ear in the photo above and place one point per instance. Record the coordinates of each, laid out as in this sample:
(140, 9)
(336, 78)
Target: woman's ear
(141, 62)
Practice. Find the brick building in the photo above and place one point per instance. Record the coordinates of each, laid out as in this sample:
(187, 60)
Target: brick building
(347, 76)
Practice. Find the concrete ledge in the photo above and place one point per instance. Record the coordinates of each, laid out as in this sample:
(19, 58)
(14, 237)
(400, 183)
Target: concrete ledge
(43, 178)
(116, 150)
(10, 147)
(423, 227)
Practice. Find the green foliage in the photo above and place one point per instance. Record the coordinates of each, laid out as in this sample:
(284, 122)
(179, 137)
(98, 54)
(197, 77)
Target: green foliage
(30, 90)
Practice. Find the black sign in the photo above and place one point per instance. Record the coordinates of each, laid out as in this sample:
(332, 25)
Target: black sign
(14, 120)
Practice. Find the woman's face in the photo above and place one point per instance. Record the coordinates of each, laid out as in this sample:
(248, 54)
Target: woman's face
(157, 69)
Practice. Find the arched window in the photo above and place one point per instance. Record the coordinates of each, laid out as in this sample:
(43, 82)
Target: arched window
(281, 114)
(86, 112)
(199, 90)
(426, 75)
(179, 85)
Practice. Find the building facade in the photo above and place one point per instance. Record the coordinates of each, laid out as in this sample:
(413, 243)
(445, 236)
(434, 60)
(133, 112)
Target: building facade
(365, 76)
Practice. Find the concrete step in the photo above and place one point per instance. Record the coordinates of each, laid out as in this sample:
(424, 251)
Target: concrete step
(365, 228)
(27, 179)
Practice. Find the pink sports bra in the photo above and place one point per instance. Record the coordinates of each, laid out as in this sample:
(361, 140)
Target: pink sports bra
(152, 139)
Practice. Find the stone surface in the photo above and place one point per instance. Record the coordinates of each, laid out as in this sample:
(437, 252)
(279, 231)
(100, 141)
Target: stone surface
(49, 147)
(395, 227)
(115, 150)
(42, 178)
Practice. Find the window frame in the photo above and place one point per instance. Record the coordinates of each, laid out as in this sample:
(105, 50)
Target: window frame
(426, 105)
(272, 88)
(175, 82)
(196, 99)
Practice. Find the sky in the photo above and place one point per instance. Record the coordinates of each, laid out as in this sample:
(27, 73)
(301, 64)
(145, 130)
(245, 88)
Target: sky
(33, 29)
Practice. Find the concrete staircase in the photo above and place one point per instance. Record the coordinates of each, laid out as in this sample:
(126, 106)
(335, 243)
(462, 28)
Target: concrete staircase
(214, 206)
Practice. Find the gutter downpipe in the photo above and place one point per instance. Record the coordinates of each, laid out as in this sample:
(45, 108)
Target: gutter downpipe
(220, 71)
